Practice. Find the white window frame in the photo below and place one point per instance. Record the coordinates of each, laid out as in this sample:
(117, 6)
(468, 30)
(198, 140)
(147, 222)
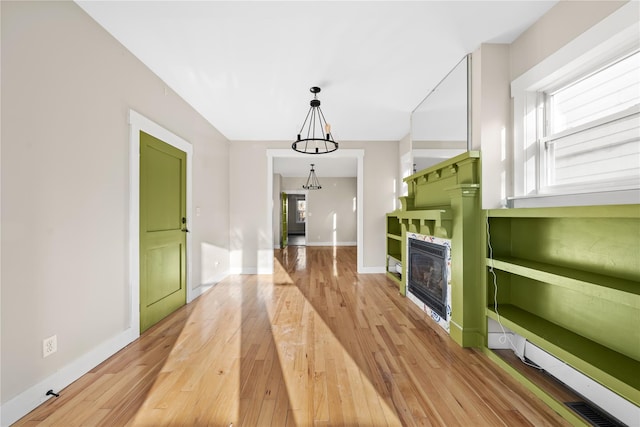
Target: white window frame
(612, 38)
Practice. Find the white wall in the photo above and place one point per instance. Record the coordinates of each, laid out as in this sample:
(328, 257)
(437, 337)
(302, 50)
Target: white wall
(405, 167)
(336, 198)
(252, 243)
(67, 87)
(491, 123)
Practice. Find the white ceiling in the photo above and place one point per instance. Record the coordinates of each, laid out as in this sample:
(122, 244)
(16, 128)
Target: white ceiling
(247, 66)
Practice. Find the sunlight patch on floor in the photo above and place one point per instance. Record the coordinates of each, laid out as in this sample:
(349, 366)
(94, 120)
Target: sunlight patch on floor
(319, 373)
(194, 376)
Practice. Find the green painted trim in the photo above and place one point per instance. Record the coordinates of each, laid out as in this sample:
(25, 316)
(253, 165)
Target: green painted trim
(466, 337)
(284, 207)
(556, 405)
(426, 214)
(601, 211)
(592, 284)
(442, 165)
(394, 278)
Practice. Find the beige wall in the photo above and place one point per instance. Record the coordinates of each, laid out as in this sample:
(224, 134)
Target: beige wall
(561, 24)
(335, 198)
(67, 87)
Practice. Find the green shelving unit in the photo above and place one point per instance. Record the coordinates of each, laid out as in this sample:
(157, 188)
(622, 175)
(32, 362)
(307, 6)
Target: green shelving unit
(394, 245)
(568, 280)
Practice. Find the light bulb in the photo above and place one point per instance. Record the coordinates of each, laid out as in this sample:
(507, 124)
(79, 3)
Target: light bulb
(327, 128)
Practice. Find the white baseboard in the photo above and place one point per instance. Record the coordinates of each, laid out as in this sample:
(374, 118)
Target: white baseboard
(197, 292)
(331, 244)
(499, 340)
(601, 396)
(372, 270)
(253, 270)
(243, 270)
(204, 287)
(34, 396)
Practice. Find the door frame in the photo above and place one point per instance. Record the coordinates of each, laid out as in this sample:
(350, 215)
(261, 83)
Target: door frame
(137, 123)
(305, 193)
(266, 259)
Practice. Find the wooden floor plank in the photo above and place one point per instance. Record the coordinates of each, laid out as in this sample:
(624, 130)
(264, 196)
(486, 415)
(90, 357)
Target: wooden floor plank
(315, 343)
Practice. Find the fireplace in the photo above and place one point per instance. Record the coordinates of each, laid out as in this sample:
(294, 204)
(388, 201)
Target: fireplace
(428, 274)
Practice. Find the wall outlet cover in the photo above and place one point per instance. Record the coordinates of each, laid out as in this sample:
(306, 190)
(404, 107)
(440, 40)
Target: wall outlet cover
(49, 345)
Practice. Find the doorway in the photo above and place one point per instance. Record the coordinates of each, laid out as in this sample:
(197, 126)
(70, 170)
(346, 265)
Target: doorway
(296, 219)
(137, 124)
(278, 153)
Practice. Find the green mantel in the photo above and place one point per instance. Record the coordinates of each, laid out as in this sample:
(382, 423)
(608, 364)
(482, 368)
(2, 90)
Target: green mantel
(444, 201)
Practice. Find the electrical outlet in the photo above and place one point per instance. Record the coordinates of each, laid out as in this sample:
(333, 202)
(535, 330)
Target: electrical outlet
(49, 345)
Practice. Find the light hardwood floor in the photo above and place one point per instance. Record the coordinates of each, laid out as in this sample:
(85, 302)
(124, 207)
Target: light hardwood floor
(313, 344)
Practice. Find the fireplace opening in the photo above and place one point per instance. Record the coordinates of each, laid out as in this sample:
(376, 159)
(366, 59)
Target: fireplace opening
(427, 274)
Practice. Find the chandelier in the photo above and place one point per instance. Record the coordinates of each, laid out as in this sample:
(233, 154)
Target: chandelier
(312, 181)
(316, 138)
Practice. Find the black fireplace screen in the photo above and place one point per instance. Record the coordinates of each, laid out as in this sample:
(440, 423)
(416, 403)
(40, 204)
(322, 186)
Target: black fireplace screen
(427, 278)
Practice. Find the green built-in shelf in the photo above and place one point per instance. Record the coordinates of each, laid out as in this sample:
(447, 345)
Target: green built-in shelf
(625, 292)
(394, 236)
(618, 372)
(604, 211)
(567, 279)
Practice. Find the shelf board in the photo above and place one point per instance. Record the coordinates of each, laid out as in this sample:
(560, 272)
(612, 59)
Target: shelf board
(394, 236)
(610, 368)
(578, 280)
(425, 214)
(604, 211)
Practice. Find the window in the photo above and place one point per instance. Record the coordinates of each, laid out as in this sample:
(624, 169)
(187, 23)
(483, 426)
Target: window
(576, 129)
(592, 128)
(301, 210)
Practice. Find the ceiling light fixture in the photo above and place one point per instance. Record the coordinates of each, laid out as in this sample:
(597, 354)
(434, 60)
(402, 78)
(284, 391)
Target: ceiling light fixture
(312, 181)
(317, 137)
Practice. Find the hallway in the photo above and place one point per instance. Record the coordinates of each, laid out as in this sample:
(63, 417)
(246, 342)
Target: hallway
(296, 240)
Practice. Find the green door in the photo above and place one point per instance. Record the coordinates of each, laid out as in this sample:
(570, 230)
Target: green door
(284, 220)
(162, 230)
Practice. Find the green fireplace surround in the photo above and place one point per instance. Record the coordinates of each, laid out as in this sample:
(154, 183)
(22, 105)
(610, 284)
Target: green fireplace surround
(444, 201)
(568, 277)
